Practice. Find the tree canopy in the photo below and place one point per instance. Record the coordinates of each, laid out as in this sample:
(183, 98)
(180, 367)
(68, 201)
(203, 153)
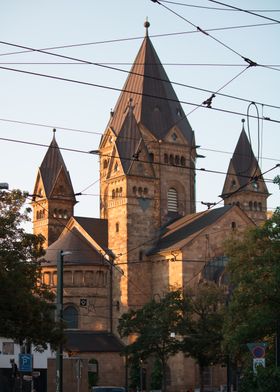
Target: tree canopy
(254, 271)
(26, 305)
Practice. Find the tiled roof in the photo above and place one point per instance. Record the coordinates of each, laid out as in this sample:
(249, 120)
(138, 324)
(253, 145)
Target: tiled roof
(96, 228)
(186, 227)
(156, 105)
(82, 252)
(50, 168)
(90, 341)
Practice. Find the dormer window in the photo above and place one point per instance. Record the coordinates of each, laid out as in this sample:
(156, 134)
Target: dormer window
(174, 136)
(116, 167)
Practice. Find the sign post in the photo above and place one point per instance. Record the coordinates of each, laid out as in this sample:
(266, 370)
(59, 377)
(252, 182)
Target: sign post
(258, 352)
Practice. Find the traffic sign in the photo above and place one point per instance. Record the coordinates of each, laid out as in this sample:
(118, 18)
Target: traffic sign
(25, 362)
(257, 349)
(258, 362)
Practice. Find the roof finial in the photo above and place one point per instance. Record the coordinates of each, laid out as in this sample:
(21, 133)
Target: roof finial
(54, 131)
(147, 25)
(243, 121)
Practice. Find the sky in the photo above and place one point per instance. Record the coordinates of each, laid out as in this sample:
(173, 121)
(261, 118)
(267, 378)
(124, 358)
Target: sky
(199, 61)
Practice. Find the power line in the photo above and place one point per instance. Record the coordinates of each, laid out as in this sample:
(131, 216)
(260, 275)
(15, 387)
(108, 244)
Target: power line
(246, 11)
(246, 59)
(215, 8)
(127, 91)
(141, 37)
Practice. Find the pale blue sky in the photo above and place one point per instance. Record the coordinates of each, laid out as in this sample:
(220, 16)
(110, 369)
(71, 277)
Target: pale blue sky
(33, 99)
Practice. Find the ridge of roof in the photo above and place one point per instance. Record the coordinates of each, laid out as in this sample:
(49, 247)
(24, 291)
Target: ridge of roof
(187, 227)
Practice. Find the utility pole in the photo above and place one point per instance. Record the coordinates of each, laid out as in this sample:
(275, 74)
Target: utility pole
(59, 318)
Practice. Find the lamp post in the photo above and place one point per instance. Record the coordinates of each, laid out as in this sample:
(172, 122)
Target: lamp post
(59, 318)
(4, 185)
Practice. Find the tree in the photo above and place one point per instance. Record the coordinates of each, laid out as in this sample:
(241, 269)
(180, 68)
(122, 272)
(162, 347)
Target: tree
(202, 326)
(254, 271)
(26, 304)
(151, 328)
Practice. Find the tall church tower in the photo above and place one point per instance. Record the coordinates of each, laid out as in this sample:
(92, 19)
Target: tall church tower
(244, 184)
(53, 199)
(147, 176)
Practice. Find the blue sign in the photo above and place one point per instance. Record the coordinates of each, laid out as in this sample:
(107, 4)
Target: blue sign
(25, 362)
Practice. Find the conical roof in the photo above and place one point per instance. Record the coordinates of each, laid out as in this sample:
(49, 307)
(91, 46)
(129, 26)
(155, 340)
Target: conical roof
(156, 105)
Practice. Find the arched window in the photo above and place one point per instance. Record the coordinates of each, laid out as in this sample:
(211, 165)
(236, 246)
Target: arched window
(171, 159)
(105, 164)
(113, 194)
(55, 213)
(250, 205)
(255, 206)
(183, 161)
(65, 214)
(151, 157)
(260, 206)
(172, 200)
(165, 158)
(134, 189)
(60, 213)
(70, 316)
(177, 160)
(140, 190)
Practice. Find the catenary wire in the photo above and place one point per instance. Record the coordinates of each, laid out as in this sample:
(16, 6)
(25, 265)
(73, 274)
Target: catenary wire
(246, 11)
(215, 8)
(127, 91)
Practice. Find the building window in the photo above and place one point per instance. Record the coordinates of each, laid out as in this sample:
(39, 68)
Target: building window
(134, 189)
(140, 190)
(60, 213)
(255, 206)
(116, 167)
(183, 161)
(113, 193)
(250, 205)
(171, 159)
(233, 225)
(117, 227)
(172, 200)
(105, 164)
(177, 160)
(145, 191)
(140, 255)
(151, 157)
(65, 214)
(165, 158)
(70, 316)
(260, 206)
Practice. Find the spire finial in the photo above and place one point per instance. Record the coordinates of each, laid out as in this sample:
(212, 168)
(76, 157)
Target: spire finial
(147, 25)
(243, 121)
(54, 131)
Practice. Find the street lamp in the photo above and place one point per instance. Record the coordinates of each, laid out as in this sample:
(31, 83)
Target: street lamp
(4, 185)
(59, 318)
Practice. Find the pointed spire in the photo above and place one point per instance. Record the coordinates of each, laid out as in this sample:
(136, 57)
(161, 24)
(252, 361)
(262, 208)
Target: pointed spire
(156, 105)
(51, 166)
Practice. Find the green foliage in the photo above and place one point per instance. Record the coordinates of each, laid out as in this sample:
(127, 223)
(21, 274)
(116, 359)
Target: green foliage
(254, 270)
(26, 308)
(202, 329)
(151, 326)
(266, 380)
(156, 376)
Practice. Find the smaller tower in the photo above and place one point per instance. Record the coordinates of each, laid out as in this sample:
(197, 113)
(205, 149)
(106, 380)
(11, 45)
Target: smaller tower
(53, 196)
(244, 185)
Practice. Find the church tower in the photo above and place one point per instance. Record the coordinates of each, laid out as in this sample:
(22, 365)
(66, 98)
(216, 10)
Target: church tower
(244, 185)
(147, 176)
(53, 196)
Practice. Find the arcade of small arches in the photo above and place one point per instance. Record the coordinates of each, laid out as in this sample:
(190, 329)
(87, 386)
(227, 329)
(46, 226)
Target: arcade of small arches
(77, 278)
(174, 160)
(253, 205)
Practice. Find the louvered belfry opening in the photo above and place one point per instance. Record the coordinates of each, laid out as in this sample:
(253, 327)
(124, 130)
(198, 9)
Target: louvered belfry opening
(172, 200)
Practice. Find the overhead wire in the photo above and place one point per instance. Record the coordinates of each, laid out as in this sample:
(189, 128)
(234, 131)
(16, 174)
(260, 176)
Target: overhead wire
(216, 8)
(246, 11)
(246, 59)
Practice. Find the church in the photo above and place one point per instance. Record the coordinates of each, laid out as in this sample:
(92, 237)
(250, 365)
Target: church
(149, 236)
